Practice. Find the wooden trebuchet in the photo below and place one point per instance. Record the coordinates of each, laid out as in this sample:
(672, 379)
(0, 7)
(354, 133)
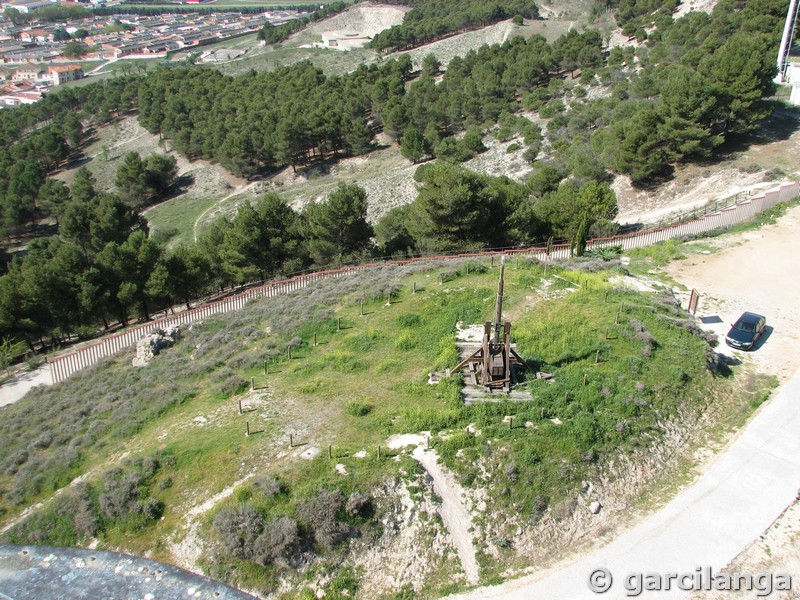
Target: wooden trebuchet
(493, 363)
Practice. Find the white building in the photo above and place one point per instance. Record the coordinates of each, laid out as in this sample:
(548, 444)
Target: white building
(26, 6)
(793, 79)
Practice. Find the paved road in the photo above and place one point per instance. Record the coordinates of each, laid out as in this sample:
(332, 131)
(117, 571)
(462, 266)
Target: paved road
(21, 384)
(707, 525)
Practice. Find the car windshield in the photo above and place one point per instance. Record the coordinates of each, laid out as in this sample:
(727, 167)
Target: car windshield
(749, 327)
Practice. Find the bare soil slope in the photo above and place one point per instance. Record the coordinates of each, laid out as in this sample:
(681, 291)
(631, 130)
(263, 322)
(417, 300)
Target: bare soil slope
(366, 19)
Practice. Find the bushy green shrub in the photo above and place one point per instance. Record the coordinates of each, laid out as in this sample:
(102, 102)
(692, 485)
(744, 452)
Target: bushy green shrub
(358, 409)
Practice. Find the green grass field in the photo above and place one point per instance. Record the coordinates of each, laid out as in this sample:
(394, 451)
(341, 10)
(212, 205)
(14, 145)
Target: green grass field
(175, 219)
(622, 364)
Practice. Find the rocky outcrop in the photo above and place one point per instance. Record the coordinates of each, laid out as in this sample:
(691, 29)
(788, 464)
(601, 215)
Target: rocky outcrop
(151, 344)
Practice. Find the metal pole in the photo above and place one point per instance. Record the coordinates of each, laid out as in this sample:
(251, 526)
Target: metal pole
(783, 51)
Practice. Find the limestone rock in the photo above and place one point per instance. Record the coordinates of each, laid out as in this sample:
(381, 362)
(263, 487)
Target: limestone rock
(151, 344)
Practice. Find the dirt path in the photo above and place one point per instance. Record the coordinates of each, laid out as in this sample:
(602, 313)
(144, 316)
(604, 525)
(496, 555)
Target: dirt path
(239, 190)
(455, 516)
(188, 550)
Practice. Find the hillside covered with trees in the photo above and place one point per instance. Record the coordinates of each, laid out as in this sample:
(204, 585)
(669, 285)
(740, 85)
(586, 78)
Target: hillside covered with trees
(695, 82)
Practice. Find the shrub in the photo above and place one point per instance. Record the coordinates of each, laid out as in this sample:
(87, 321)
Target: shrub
(449, 275)
(279, 541)
(232, 386)
(356, 504)
(268, 485)
(406, 341)
(692, 327)
(641, 334)
(511, 472)
(121, 493)
(320, 514)
(538, 508)
(358, 409)
(153, 509)
(238, 528)
(409, 320)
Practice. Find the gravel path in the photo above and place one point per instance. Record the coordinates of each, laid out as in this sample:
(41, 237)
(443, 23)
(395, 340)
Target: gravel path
(454, 515)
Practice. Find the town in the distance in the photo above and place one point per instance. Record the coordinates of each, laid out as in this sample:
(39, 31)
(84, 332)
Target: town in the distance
(38, 55)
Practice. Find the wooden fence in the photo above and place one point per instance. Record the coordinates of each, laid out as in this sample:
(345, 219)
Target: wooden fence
(61, 367)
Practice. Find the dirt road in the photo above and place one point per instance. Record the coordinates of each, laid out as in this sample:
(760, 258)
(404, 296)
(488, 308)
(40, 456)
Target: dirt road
(757, 271)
